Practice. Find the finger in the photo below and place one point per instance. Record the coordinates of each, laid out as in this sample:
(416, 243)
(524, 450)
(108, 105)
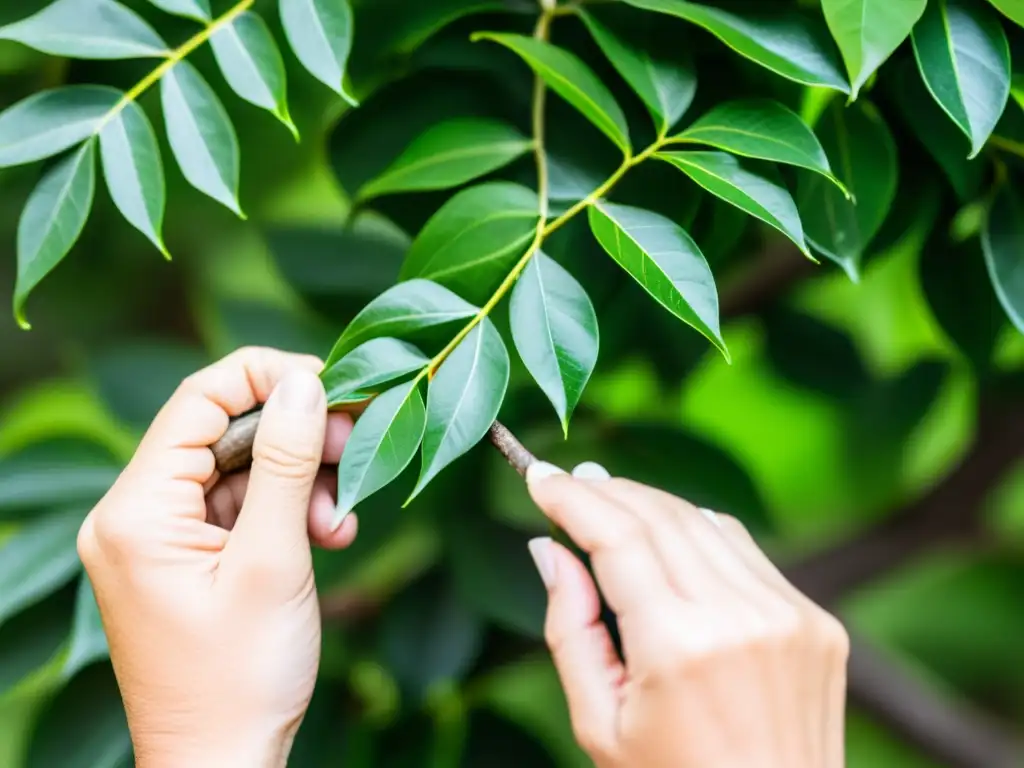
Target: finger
(757, 561)
(339, 428)
(589, 667)
(225, 501)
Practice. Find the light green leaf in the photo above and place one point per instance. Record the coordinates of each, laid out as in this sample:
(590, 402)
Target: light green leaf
(383, 442)
(49, 122)
(463, 400)
(448, 155)
(555, 330)
(52, 221)
(1003, 243)
(964, 58)
(320, 34)
(399, 311)
(571, 79)
(88, 640)
(663, 258)
(472, 241)
(868, 31)
(1017, 88)
(134, 171)
(252, 65)
(369, 365)
(192, 9)
(759, 194)
(788, 44)
(863, 154)
(666, 87)
(1012, 9)
(762, 129)
(87, 29)
(201, 135)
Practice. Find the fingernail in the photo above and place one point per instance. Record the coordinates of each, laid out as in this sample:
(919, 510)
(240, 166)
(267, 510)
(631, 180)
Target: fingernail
(712, 517)
(590, 470)
(540, 470)
(543, 558)
(300, 392)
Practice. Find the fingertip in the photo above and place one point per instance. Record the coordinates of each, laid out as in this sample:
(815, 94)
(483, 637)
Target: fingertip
(344, 536)
(339, 429)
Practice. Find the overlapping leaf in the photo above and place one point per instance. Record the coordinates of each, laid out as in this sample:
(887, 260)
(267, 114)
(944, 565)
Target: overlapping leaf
(362, 371)
(192, 9)
(1012, 9)
(1003, 243)
(320, 34)
(52, 474)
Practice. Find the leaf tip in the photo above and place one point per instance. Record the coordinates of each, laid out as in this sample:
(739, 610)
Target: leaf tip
(20, 319)
(340, 516)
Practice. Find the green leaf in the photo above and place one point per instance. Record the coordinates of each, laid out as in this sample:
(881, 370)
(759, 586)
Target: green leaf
(34, 638)
(762, 129)
(320, 34)
(964, 58)
(472, 241)
(88, 639)
(1003, 243)
(369, 365)
(1012, 9)
(407, 307)
(49, 122)
(52, 221)
(382, 444)
(666, 262)
(463, 400)
(192, 9)
(448, 155)
(665, 86)
(134, 171)
(252, 65)
(759, 194)
(554, 327)
(87, 29)
(37, 560)
(863, 152)
(201, 135)
(868, 31)
(788, 44)
(571, 79)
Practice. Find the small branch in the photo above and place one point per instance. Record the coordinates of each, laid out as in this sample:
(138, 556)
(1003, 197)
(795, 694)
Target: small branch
(509, 446)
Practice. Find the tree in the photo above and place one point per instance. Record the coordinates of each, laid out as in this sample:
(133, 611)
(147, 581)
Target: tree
(528, 173)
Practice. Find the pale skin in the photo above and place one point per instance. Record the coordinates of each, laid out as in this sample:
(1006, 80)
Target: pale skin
(206, 589)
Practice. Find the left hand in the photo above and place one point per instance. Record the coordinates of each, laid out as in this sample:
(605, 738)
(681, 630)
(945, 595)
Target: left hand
(205, 584)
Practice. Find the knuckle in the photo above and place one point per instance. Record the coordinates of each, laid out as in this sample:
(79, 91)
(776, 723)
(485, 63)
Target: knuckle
(598, 744)
(834, 636)
(86, 542)
(293, 462)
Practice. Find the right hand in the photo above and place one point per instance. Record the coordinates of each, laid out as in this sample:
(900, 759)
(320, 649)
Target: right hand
(726, 665)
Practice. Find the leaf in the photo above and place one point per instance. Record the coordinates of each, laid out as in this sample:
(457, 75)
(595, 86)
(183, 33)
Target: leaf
(320, 34)
(201, 135)
(554, 327)
(666, 87)
(1003, 243)
(251, 62)
(789, 44)
(760, 195)
(34, 638)
(87, 29)
(863, 153)
(407, 307)
(41, 557)
(448, 155)
(497, 742)
(52, 221)
(463, 400)
(868, 31)
(134, 171)
(472, 241)
(1012, 9)
(761, 129)
(192, 9)
(369, 365)
(571, 79)
(88, 639)
(964, 58)
(666, 262)
(47, 123)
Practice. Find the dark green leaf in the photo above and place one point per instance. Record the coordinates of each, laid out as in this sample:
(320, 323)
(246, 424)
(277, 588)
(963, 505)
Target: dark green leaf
(35, 637)
(252, 65)
(87, 29)
(759, 194)
(369, 365)
(448, 155)
(193, 9)
(762, 129)
(1012, 9)
(320, 34)
(472, 242)
(134, 171)
(571, 79)
(88, 639)
(201, 134)
(868, 31)
(49, 122)
(463, 399)
(666, 87)
(555, 330)
(790, 45)
(964, 58)
(52, 221)
(1003, 242)
(496, 742)
(666, 262)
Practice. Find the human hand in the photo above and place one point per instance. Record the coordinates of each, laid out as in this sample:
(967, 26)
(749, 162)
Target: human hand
(727, 665)
(205, 584)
